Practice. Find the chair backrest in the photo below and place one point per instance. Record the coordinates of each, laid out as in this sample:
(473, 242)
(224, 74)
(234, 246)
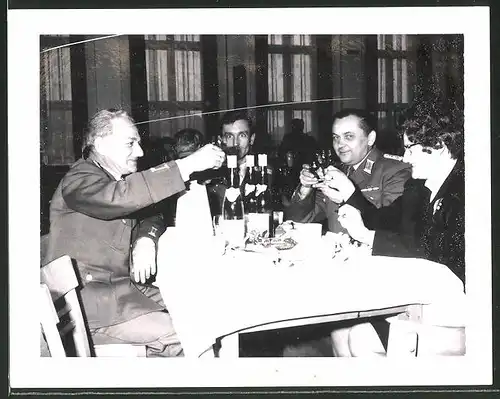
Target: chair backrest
(58, 286)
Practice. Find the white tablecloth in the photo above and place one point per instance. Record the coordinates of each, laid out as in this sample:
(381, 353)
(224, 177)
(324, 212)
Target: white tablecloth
(209, 296)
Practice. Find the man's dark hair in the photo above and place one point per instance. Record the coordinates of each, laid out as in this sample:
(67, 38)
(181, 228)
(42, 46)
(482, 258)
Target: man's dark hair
(367, 122)
(232, 116)
(434, 123)
(100, 125)
(297, 125)
(188, 141)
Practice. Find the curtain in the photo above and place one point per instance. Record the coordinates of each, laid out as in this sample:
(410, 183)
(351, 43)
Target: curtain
(174, 82)
(56, 139)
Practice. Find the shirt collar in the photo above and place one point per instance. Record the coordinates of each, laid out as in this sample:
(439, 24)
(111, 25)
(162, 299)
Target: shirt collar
(355, 167)
(439, 177)
(95, 157)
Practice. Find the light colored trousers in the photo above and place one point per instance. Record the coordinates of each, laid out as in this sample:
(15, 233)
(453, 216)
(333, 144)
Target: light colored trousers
(153, 330)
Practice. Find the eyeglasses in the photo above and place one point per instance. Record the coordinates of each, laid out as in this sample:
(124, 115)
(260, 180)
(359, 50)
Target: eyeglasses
(410, 146)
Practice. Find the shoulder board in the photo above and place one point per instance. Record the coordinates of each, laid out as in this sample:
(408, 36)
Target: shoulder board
(395, 157)
(160, 167)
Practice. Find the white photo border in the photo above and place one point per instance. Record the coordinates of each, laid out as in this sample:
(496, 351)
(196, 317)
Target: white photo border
(28, 370)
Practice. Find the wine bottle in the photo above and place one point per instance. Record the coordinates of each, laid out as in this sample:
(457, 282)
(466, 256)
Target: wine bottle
(264, 199)
(233, 211)
(250, 202)
(287, 178)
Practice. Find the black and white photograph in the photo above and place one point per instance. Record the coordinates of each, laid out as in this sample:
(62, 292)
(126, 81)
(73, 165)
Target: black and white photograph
(255, 200)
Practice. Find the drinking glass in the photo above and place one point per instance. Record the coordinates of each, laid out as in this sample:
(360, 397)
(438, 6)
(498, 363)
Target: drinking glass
(219, 238)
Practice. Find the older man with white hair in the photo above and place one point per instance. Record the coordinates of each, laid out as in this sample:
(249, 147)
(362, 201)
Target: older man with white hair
(93, 219)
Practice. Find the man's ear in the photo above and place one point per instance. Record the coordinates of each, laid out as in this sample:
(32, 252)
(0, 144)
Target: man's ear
(372, 136)
(252, 138)
(99, 144)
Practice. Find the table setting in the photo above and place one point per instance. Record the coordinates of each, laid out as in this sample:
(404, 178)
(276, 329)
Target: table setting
(215, 287)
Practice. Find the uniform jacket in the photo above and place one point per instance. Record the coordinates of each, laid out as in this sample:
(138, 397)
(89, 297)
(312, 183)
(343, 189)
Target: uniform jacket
(414, 226)
(92, 220)
(380, 177)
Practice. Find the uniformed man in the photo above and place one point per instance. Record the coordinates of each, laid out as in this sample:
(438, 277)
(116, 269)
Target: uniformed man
(380, 177)
(93, 220)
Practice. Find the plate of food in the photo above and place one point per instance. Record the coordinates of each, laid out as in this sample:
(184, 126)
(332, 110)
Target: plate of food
(257, 242)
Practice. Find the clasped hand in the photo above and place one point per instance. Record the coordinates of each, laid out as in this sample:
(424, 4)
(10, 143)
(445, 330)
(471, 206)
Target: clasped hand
(332, 182)
(351, 220)
(207, 157)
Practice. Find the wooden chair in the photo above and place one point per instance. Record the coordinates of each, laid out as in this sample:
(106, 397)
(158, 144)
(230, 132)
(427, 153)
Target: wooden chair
(61, 314)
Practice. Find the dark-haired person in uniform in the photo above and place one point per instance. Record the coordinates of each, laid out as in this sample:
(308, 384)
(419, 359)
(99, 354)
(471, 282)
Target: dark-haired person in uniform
(380, 177)
(300, 143)
(93, 220)
(237, 132)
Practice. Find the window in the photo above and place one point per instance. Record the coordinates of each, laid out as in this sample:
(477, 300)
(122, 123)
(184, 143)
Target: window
(290, 79)
(174, 83)
(396, 77)
(56, 136)
(447, 65)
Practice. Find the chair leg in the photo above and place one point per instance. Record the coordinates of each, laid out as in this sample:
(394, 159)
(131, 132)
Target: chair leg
(403, 339)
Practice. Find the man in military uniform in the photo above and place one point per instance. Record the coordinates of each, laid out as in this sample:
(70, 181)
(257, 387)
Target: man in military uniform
(380, 177)
(93, 220)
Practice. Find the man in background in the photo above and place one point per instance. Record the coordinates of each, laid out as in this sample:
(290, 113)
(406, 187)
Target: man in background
(237, 136)
(299, 143)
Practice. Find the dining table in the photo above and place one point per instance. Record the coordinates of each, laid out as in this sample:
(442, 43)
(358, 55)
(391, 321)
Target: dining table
(214, 293)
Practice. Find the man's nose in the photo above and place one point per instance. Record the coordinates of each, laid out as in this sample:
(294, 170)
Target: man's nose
(241, 139)
(340, 143)
(138, 150)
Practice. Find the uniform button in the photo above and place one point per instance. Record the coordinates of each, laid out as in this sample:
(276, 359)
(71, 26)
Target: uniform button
(124, 221)
(88, 277)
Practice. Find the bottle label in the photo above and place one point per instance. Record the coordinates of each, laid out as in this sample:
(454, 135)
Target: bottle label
(262, 159)
(232, 194)
(249, 188)
(260, 188)
(250, 161)
(232, 161)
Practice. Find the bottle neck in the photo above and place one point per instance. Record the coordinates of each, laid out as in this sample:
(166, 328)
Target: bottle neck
(234, 177)
(263, 175)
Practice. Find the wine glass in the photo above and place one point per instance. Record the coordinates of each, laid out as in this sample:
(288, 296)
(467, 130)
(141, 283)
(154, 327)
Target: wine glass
(219, 238)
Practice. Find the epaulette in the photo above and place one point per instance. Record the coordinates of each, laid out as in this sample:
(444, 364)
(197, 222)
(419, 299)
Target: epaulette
(395, 157)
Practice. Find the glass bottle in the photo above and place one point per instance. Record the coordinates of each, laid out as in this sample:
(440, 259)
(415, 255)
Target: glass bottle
(233, 211)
